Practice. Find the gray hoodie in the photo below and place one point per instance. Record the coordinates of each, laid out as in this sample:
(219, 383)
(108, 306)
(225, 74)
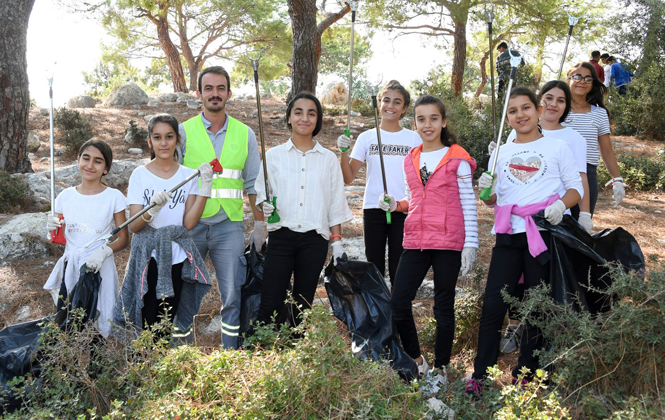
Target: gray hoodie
(196, 280)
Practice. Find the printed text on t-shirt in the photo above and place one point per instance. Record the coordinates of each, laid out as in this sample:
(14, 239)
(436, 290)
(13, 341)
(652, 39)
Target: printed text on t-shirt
(390, 149)
(177, 197)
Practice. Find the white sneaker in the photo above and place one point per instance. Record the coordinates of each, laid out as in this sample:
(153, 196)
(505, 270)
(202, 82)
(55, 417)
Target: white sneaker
(423, 368)
(434, 380)
(511, 338)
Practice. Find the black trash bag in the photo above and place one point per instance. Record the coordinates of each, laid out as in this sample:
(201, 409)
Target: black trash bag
(19, 343)
(360, 298)
(251, 291)
(579, 261)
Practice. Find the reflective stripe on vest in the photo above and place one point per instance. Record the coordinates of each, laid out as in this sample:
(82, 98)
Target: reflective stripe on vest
(227, 187)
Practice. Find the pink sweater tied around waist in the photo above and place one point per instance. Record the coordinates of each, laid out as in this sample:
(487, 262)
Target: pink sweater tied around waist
(502, 222)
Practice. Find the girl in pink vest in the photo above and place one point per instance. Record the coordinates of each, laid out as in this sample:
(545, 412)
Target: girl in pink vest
(440, 231)
(529, 173)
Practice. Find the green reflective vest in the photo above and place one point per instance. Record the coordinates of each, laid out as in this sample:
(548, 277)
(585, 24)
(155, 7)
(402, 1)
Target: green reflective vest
(226, 187)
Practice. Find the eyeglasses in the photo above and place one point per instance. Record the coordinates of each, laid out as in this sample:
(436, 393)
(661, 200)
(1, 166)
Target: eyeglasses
(579, 78)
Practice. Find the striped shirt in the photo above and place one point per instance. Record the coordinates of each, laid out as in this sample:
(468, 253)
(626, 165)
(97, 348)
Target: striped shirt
(309, 188)
(591, 125)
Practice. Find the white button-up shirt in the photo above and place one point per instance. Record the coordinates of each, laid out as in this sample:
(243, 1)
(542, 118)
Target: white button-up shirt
(309, 187)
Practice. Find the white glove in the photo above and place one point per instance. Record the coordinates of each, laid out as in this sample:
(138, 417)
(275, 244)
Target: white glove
(619, 192)
(53, 223)
(468, 260)
(585, 221)
(337, 251)
(486, 181)
(554, 212)
(96, 259)
(268, 209)
(259, 234)
(206, 179)
(159, 199)
(491, 147)
(344, 142)
(389, 205)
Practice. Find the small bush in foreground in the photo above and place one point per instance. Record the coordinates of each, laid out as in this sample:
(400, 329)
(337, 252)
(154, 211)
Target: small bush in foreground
(74, 129)
(641, 173)
(13, 192)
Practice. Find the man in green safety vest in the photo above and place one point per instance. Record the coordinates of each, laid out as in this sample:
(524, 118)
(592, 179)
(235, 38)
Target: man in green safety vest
(220, 232)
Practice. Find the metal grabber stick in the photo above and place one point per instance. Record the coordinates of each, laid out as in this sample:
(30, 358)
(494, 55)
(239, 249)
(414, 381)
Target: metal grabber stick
(572, 21)
(347, 131)
(274, 217)
(57, 236)
(375, 90)
(515, 61)
(216, 167)
(489, 17)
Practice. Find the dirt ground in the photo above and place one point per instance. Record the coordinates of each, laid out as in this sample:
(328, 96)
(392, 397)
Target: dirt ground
(21, 281)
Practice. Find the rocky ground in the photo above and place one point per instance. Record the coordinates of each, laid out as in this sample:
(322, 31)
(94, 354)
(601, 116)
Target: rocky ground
(21, 280)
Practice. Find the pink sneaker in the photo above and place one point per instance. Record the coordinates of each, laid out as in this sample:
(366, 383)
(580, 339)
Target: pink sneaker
(473, 387)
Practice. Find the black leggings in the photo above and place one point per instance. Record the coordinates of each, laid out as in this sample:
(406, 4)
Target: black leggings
(377, 231)
(510, 258)
(155, 309)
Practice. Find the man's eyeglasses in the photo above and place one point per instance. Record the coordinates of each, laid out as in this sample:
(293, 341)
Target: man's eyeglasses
(579, 78)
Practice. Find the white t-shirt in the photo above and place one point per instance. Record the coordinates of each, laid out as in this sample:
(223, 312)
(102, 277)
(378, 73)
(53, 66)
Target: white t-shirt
(591, 125)
(395, 148)
(88, 218)
(531, 173)
(143, 184)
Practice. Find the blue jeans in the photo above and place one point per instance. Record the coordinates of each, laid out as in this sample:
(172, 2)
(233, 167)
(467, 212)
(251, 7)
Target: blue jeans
(225, 243)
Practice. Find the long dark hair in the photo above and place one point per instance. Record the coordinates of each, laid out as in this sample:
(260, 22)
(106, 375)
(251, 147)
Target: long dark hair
(598, 90)
(447, 138)
(566, 91)
(319, 110)
(170, 120)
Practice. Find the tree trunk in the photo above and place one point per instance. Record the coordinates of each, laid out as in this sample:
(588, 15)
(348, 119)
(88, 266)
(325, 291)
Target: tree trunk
(14, 92)
(459, 58)
(483, 74)
(306, 43)
(171, 52)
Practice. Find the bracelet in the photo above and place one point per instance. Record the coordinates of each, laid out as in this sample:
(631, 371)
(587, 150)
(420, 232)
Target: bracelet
(146, 220)
(613, 180)
(336, 236)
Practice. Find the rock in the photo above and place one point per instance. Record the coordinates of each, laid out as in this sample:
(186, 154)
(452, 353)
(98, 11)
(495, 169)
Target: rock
(33, 142)
(335, 94)
(147, 118)
(168, 97)
(31, 155)
(59, 152)
(440, 410)
(255, 113)
(126, 95)
(193, 104)
(426, 290)
(141, 114)
(168, 111)
(355, 113)
(81, 101)
(44, 112)
(136, 106)
(23, 314)
(135, 151)
(24, 237)
(44, 159)
(154, 102)
(184, 97)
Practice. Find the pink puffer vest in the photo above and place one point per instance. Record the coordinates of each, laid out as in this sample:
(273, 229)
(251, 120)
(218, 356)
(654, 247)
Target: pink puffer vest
(435, 219)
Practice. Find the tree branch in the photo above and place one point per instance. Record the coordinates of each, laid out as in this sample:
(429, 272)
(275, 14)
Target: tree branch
(332, 18)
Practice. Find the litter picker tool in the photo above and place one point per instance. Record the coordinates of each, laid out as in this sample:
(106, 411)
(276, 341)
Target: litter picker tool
(515, 61)
(57, 236)
(489, 17)
(572, 21)
(347, 132)
(274, 217)
(216, 167)
(375, 90)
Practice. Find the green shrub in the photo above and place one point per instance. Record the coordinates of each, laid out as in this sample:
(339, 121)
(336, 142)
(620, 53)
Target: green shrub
(640, 172)
(136, 135)
(13, 193)
(74, 128)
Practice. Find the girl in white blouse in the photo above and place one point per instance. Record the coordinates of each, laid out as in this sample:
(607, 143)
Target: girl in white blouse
(308, 183)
